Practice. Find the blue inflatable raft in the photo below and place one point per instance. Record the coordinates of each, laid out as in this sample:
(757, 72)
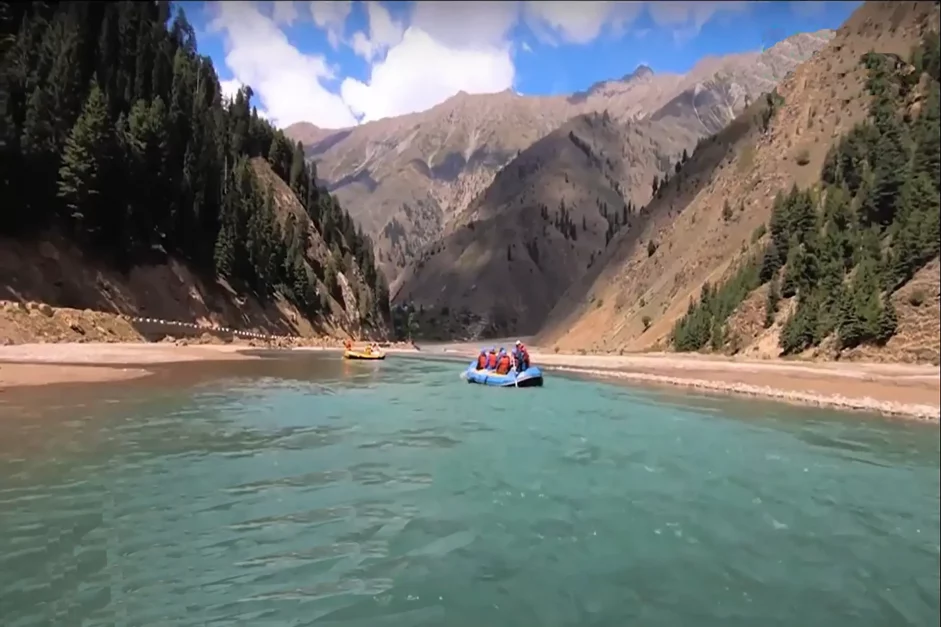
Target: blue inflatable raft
(529, 378)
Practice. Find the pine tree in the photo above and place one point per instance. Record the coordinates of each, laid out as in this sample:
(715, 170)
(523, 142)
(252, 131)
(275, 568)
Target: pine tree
(916, 238)
(880, 203)
(330, 280)
(64, 81)
(225, 250)
(771, 303)
(800, 331)
(791, 280)
(928, 136)
(850, 327)
(886, 324)
(298, 172)
(879, 223)
(145, 142)
(38, 146)
(85, 162)
(770, 262)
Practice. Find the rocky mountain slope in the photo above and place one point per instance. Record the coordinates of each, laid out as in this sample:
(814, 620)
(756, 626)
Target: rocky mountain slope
(551, 212)
(55, 271)
(131, 186)
(405, 178)
(695, 270)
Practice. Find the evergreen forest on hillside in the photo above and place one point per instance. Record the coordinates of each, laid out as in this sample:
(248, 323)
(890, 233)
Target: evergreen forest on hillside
(844, 247)
(114, 131)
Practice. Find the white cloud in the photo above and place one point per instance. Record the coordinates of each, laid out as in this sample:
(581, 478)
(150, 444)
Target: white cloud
(284, 12)
(449, 47)
(420, 72)
(416, 61)
(331, 15)
(691, 14)
(462, 24)
(384, 32)
(688, 18)
(578, 22)
(286, 81)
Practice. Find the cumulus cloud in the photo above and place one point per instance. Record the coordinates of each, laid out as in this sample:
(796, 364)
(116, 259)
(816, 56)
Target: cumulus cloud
(578, 22)
(467, 25)
(420, 72)
(286, 81)
(420, 59)
(331, 15)
(694, 14)
(384, 32)
(447, 48)
(284, 12)
(687, 18)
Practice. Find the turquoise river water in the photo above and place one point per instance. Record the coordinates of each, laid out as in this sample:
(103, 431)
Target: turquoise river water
(394, 494)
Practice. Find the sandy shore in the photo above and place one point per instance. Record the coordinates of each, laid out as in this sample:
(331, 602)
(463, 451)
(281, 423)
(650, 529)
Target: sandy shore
(911, 391)
(40, 374)
(41, 364)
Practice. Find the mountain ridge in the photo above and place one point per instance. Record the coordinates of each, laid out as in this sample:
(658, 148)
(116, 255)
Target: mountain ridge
(578, 182)
(437, 161)
(687, 262)
(132, 185)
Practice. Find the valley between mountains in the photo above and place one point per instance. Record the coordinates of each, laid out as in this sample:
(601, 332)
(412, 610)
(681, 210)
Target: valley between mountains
(780, 202)
(605, 220)
(411, 179)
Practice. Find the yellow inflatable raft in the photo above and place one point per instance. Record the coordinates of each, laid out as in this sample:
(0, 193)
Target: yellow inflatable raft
(363, 355)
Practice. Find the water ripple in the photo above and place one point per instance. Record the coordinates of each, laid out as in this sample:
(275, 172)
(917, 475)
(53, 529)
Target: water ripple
(395, 494)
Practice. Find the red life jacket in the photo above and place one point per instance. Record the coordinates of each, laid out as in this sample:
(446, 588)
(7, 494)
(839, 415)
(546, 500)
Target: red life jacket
(481, 362)
(503, 366)
(492, 360)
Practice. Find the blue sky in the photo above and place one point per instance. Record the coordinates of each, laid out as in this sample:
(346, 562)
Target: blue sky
(336, 64)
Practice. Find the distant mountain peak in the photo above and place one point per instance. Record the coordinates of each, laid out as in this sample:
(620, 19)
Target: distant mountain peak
(304, 125)
(642, 71)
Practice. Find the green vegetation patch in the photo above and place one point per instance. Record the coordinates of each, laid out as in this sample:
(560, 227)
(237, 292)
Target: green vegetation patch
(115, 130)
(842, 249)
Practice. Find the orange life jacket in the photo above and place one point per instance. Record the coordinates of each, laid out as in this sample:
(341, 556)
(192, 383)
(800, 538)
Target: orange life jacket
(503, 366)
(481, 362)
(492, 360)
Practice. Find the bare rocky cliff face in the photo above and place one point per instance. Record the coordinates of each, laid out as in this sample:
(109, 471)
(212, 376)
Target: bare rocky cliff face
(550, 213)
(406, 179)
(715, 212)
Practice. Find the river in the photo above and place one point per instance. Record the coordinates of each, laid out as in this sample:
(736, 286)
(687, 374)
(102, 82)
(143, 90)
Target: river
(322, 492)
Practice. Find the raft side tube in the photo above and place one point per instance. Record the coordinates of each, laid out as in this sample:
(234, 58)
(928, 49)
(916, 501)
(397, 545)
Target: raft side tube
(359, 355)
(531, 377)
